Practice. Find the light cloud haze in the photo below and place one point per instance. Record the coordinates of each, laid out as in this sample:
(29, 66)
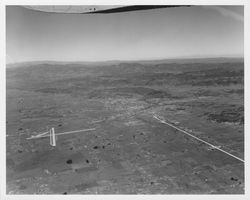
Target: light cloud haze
(198, 31)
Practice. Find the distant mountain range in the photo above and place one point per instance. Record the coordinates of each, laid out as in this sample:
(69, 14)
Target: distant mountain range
(115, 62)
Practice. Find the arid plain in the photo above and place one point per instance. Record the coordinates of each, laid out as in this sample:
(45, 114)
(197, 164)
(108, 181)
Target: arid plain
(129, 152)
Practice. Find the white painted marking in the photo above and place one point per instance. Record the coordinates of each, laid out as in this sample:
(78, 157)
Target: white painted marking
(64, 133)
(213, 146)
(41, 134)
(52, 137)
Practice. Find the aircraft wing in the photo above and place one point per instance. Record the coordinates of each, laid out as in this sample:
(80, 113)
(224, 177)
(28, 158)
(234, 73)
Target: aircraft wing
(98, 9)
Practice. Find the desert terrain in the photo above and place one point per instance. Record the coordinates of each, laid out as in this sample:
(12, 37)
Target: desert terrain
(129, 152)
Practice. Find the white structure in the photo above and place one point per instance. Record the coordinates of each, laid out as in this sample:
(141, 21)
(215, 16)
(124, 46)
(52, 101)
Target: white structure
(52, 137)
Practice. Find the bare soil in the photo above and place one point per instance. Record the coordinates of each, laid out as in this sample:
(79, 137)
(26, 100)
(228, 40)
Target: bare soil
(130, 152)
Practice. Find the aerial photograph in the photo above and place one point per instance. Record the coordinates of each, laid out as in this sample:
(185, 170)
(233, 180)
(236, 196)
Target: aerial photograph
(124, 99)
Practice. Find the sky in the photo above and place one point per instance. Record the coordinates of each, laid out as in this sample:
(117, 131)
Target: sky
(198, 31)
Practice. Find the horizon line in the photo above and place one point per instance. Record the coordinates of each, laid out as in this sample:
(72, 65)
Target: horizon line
(135, 60)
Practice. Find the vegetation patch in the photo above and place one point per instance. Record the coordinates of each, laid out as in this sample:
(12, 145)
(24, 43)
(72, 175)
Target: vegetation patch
(232, 115)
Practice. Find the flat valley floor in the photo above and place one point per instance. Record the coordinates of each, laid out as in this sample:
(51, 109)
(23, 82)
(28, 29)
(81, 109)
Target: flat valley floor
(129, 152)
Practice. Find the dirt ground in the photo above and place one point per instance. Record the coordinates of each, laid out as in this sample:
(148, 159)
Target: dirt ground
(129, 152)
